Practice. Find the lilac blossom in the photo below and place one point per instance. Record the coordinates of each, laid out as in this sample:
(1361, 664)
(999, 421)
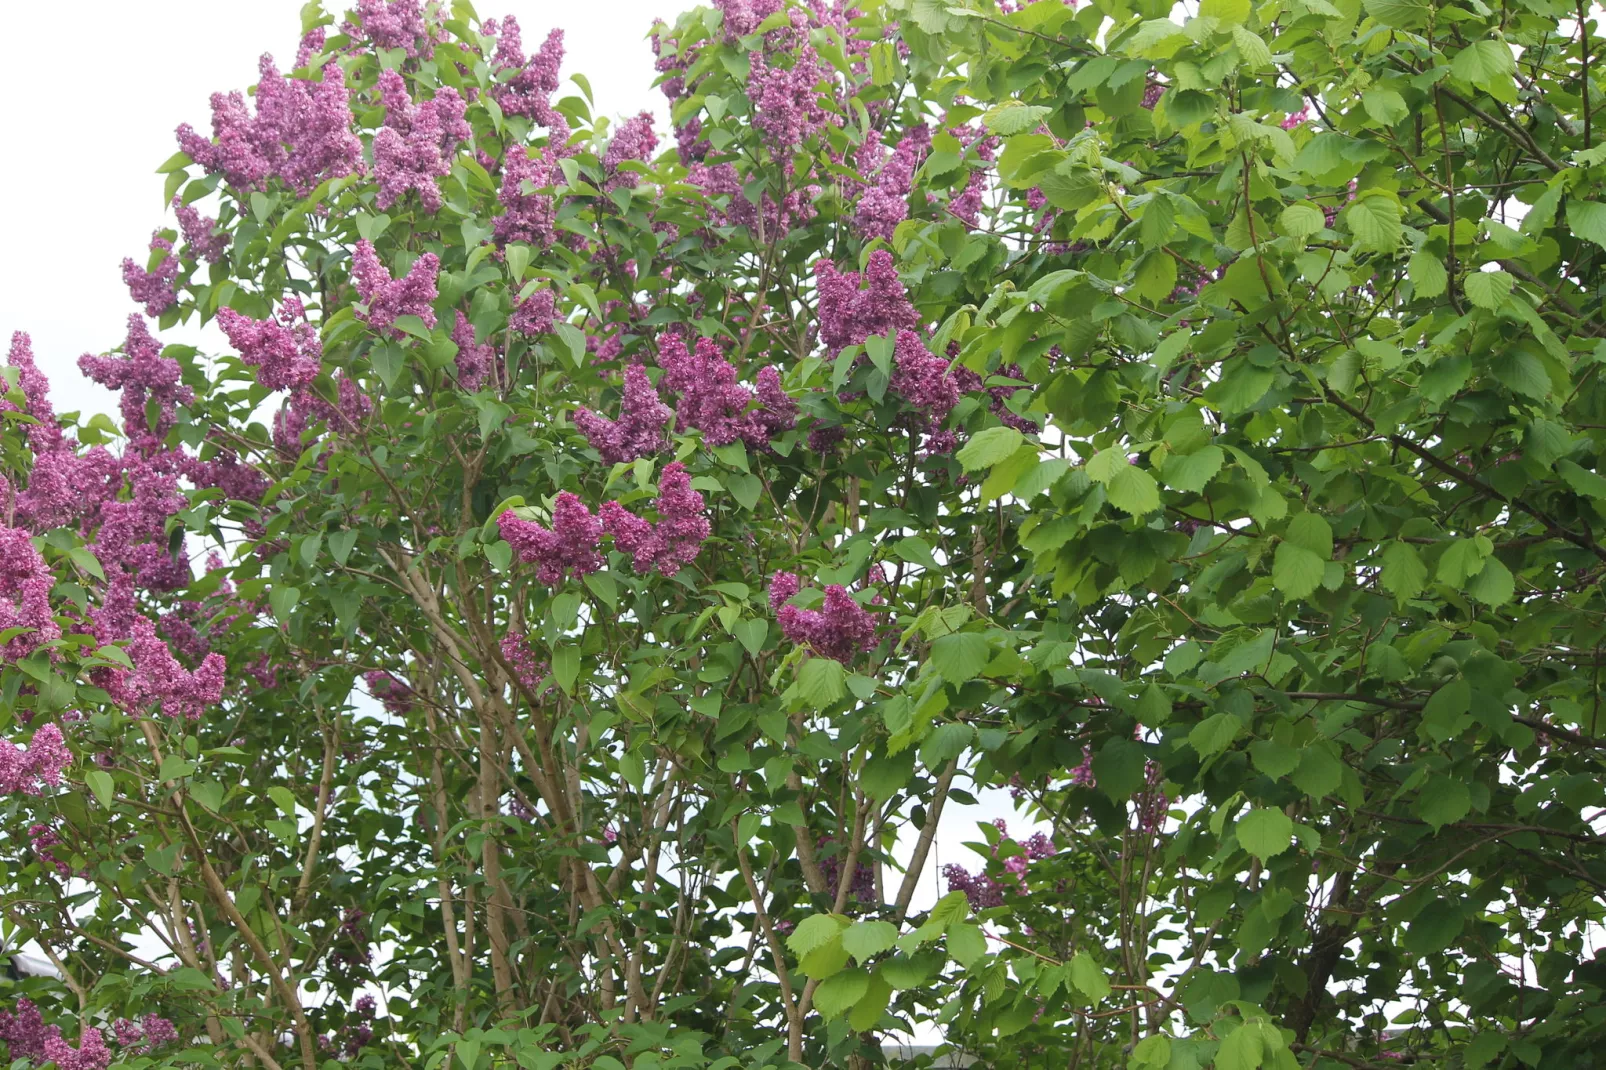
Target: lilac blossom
(474, 360)
(922, 377)
(535, 315)
(569, 545)
(143, 375)
(414, 149)
(527, 669)
(158, 677)
(285, 350)
(848, 315)
(25, 584)
(886, 203)
(839, 629)
(786, 105)
(301, 133)
(529, 92)
(395, 24)
(742, 17)
(675, 540)
(201, 233)
(397, 698)
(153, 288)
(529, 216)
(639, 431)
(29, 770)
(387, 298)
(634, 140)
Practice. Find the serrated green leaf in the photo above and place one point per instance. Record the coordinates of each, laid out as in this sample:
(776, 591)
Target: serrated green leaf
(959, 657)
(1587, 219)
(866, 939)
(1489, 289)
(1428, 275)
(841, 991)
(966, 944)
(1265, 833)
(1087, 978)
(1444, 801)
(989, 446)
(815, 931)
(1296, 571)
(1374, 220)
(1300, 220)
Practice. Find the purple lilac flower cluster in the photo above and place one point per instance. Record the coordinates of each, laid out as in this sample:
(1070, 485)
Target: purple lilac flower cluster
(535, 315)
(786, 99)
(713, 402)
(386, 297)
(983, 891)
(395, 24)
(301, 133)
(529, 91)
(885, 203)
(923, 378)
(285, 350)
(863, 887)
(570, 545)
(145, 1036)
(475, 359)
(397, 698)
(675, 540)
(201, 233)
(25, 584)
(848, 314)
(520, 657)
(29, 770)
(529, 216)
(414, 149)
(839, 629)
(634, 141)
(639, 431)
(27, 1036)
(153, 288)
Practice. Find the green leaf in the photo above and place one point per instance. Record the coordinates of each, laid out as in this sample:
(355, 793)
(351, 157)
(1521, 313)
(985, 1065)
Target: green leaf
(1487, 64)
(959, 657)
(1312, 532)
(1582, 480)
(1152, 1053)
(822, 681)
(1428, 275)
(1374, 220)
(1214, 734)
(752, 634)
(1227, 12)
(966, 944)
(1014, 117)
(100, 782)
(1087, 978)
(174, 767)
(1400, 14)
(1300, 220)
(815, 931)
(989, 446)
(283, 599)
(1296, 571)
(1461, 560)
(866, 939)
(1384, 105)
(954, 906)
(566, 666)
(1445, 709)
(341, 544)
(1243, 1050)
(867, 1011)
(1251, 47)
(1130, 489)
(841, 991)
(1444, 801)
(1494, 584)
(1265, 833)
(1587, 219)
(208, 793)
(1489, 289)
(1319, 772)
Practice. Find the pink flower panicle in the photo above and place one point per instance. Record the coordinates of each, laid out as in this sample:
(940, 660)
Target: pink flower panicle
(25, 584)
(848, 315)
(713, 402)
(1082, 776)
(529, 92)
(91, 1053)
(569, 545)
(786, 100)
(201, 233)
(143, 375)
(397, 698)
(285, 350)
(839, 629)
(414, 150)
(742, 17)
(675, 540)
(158, 677)
(301, 133)
(29, 770)
(535, 315)
(153, 288)
(387, 298)
(395, 24)
(25, 1031)
(530, 215)
(474, 360)
(639, 431)
(886, 203)
(923, 378)
(149, 1033)
(520, 657)
(1294, 121)
(634, 140)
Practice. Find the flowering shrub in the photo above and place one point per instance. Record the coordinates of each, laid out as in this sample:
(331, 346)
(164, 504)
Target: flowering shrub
(621, 543)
